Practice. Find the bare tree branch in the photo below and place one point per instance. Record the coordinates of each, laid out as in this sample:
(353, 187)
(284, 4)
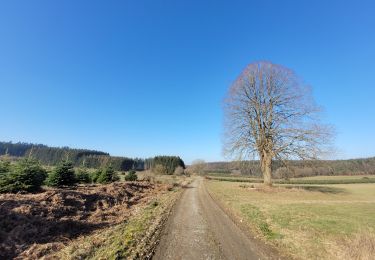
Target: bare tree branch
(270, 114)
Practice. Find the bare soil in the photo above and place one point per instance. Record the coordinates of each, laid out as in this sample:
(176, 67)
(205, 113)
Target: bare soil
(34, 225)
(199, 229)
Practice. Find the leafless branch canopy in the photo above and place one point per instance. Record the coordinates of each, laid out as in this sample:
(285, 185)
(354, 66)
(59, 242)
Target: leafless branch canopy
(269, 112)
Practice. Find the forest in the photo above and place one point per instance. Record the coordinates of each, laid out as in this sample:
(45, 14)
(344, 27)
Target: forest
(52, 156)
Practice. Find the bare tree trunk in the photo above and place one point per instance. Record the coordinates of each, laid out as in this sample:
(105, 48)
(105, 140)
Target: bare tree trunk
(266, 166)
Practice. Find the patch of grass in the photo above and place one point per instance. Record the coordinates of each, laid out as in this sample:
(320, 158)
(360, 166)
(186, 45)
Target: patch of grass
(324, 189)
(335, 177)
(235, 179)
(308, 222)
(254, 215)
(327, 181)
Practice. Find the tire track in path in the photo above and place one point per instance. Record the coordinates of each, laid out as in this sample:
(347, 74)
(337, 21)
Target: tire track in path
(199, 229)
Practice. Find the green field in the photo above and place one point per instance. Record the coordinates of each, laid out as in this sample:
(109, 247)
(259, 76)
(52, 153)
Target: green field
(306, 221)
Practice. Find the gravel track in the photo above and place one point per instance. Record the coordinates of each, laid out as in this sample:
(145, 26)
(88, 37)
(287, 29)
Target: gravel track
(199, 229)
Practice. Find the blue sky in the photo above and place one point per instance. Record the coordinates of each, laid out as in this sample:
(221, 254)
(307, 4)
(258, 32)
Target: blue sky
(142, 78)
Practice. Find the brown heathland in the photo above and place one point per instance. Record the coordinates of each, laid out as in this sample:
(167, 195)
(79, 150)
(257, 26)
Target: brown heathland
(33, 225)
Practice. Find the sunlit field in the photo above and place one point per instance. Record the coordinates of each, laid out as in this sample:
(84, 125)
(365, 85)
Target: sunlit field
(306, 221)
(304, 180)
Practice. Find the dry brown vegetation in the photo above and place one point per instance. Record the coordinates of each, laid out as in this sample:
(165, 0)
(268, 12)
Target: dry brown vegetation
(360, 246)
(34, 225)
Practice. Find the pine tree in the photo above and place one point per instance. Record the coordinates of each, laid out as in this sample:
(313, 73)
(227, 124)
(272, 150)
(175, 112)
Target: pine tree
(131, 176)
(82, 176)
(63, 175)
(107, 175)
(27, 175)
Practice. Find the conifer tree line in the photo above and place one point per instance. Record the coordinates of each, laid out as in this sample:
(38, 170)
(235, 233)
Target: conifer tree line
(28, 175)
(79, 157)
(53, 156)
(168, 163)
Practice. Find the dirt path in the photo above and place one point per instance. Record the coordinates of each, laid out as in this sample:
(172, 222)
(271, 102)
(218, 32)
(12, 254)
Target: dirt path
(199, 229)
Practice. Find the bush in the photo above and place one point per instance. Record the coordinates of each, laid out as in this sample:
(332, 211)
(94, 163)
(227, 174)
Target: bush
(95, 175)
(179, 171)
(131, 176)
(4, 166)
(107, 175)
(28, 175)
(82, 176)
(159, 169)
(148, 176)
(63, 175)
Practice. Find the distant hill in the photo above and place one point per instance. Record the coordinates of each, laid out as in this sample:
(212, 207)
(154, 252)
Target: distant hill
(296, 168)
(80, 157)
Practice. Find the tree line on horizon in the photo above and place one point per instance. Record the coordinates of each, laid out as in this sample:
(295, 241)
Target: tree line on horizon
(296, 168)
(52, 156)
(28, 172)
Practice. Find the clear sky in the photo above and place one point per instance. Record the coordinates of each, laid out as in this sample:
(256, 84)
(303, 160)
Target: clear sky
(143, 78)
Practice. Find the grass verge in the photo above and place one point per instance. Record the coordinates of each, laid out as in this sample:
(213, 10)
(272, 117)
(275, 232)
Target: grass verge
(134, 239)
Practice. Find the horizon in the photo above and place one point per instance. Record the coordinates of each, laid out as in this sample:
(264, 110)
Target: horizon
(186, 163)
(143, 79)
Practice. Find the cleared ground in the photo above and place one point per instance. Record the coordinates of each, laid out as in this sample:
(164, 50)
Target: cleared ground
(307, 221)
(111, 217)
(199, 229)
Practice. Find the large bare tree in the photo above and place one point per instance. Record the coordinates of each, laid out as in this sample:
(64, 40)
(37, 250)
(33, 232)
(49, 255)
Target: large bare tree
(270, 115)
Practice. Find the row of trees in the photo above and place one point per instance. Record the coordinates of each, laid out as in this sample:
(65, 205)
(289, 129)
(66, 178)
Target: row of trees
(296, 168)
(166, 164)
(27, 175)
(52, 154)
(86, 158)
(79, 157)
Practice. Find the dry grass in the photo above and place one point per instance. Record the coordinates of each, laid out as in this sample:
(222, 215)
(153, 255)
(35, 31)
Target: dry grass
(306, 221)
(133, 239)
(173, 180)
(334, 177)
(360, 246)
(32, 225)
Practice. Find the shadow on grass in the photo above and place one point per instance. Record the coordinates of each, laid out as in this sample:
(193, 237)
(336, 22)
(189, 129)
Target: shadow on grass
(188, 187)
(323, 189)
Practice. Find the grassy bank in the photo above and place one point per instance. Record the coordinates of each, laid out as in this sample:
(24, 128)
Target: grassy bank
(133, 239)
(309, 222)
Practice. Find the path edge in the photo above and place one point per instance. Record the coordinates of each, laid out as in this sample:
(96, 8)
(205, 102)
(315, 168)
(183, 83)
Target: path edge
(267, 250)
